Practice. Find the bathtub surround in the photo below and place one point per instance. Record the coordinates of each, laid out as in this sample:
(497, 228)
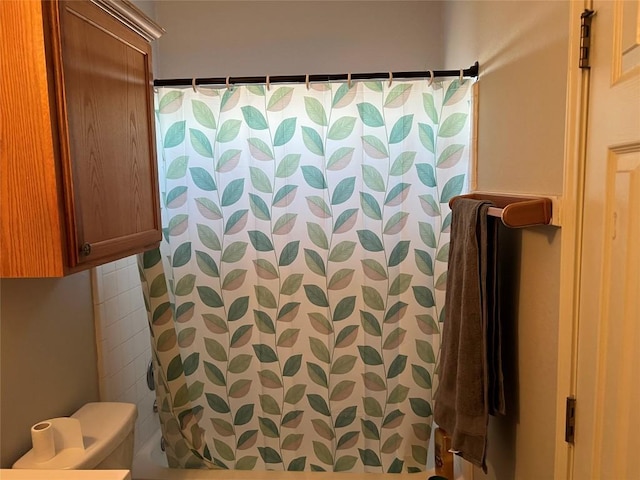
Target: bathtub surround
(122, 338)
(296, 299)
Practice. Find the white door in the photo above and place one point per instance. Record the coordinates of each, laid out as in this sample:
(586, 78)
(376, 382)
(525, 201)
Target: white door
(607, 441)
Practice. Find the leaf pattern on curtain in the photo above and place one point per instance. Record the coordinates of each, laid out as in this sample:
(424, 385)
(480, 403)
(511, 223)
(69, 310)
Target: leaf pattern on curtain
(296, 300)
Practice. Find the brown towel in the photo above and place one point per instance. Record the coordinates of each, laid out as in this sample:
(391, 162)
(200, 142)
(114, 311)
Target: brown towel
(462, 400)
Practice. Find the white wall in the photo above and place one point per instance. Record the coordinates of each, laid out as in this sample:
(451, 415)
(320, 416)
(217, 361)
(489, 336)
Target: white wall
(223, 38)
(48, 355)
(522, 48)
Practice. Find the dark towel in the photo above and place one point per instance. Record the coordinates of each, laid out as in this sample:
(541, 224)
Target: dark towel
(462, 402)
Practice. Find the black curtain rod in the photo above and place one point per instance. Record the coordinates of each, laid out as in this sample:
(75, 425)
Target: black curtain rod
(184, 82)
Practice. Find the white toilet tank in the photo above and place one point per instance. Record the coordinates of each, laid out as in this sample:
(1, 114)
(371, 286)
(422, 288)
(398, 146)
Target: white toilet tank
(107, 433)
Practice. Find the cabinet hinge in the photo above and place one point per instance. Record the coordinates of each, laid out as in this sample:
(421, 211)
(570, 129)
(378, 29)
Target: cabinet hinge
(570, 421)
(585, 37)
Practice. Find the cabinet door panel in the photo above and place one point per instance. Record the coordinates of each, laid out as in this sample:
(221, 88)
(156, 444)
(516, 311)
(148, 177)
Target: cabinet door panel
(112, 190)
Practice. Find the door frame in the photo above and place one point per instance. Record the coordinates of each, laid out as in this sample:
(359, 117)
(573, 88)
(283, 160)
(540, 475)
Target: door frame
(577, 111)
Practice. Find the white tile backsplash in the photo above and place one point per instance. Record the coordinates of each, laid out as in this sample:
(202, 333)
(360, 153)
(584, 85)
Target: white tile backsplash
(122, 337)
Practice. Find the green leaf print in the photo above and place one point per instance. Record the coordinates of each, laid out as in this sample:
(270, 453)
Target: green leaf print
(344, 308)
(342, 251)
(280, 99)
(342, 128)
(228, 160)
(373, 179)
(370, 206)
(260, 150)
(289, 253)
(316, 295)
(450, 156)
(236, 222)
(182, 255)
(177, 168)
(370, 241)
(312, 140)
(284, 132)
(291, 367)
(260, 180)
(452, 188)
(343, 191)
(260, 241)
(228, 131)
(315, 111)
(374, 147)
(425, 134)
(369, 458)
(206, 264)
(254, 118)
(372, 298)
(288, 165)
(340, 159)
(175, 134)
(399, 253)
(345, 221)
(259, 208)
(203, 114)
(370, 115)
(424, 296)
(202, 179)
(265, 353)
(452, 125)
(171, 102)
(265, 297)
(314, 177)
(317, 235)
(284, 196)
(370, 355)
(426, 174)
(401, 129)
(232, 192)
(430, 107)
(402, 164)
(344, 95)
(398, 96)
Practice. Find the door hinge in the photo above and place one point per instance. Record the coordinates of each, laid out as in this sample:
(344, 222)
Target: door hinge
(570, 421)
(585, 37)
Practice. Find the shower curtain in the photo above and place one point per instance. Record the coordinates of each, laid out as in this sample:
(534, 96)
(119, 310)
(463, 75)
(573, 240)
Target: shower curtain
(296, 301)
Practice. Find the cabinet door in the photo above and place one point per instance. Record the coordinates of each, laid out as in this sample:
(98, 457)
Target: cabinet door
(107, 140)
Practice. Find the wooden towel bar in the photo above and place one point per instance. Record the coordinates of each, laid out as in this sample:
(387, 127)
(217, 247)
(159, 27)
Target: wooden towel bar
(514, 211)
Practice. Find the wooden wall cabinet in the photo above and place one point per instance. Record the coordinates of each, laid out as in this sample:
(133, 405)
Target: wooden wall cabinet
(78, 175)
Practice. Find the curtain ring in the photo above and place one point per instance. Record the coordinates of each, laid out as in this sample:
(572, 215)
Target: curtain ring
(306, 81)
(461, 75)
(390, 78)
(349, 79)
(228, 85)
(193, 85)
(430, 78)
(268, 83)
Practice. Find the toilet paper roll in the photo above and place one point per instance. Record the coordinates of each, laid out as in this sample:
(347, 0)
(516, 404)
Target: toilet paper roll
(43, 442)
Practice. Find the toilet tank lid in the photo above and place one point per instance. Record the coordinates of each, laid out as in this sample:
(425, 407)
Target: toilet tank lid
(104, 427)
(108, 422)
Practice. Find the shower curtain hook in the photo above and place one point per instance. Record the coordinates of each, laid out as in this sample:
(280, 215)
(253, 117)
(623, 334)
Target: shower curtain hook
(193, 85)
(228, 85)
(430, 78)
(349, 79)
(268, 83)
(461, 75)
(306, 81)
(390, 78)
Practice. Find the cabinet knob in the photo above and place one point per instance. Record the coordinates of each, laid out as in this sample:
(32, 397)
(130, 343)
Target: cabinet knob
(86, 249)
